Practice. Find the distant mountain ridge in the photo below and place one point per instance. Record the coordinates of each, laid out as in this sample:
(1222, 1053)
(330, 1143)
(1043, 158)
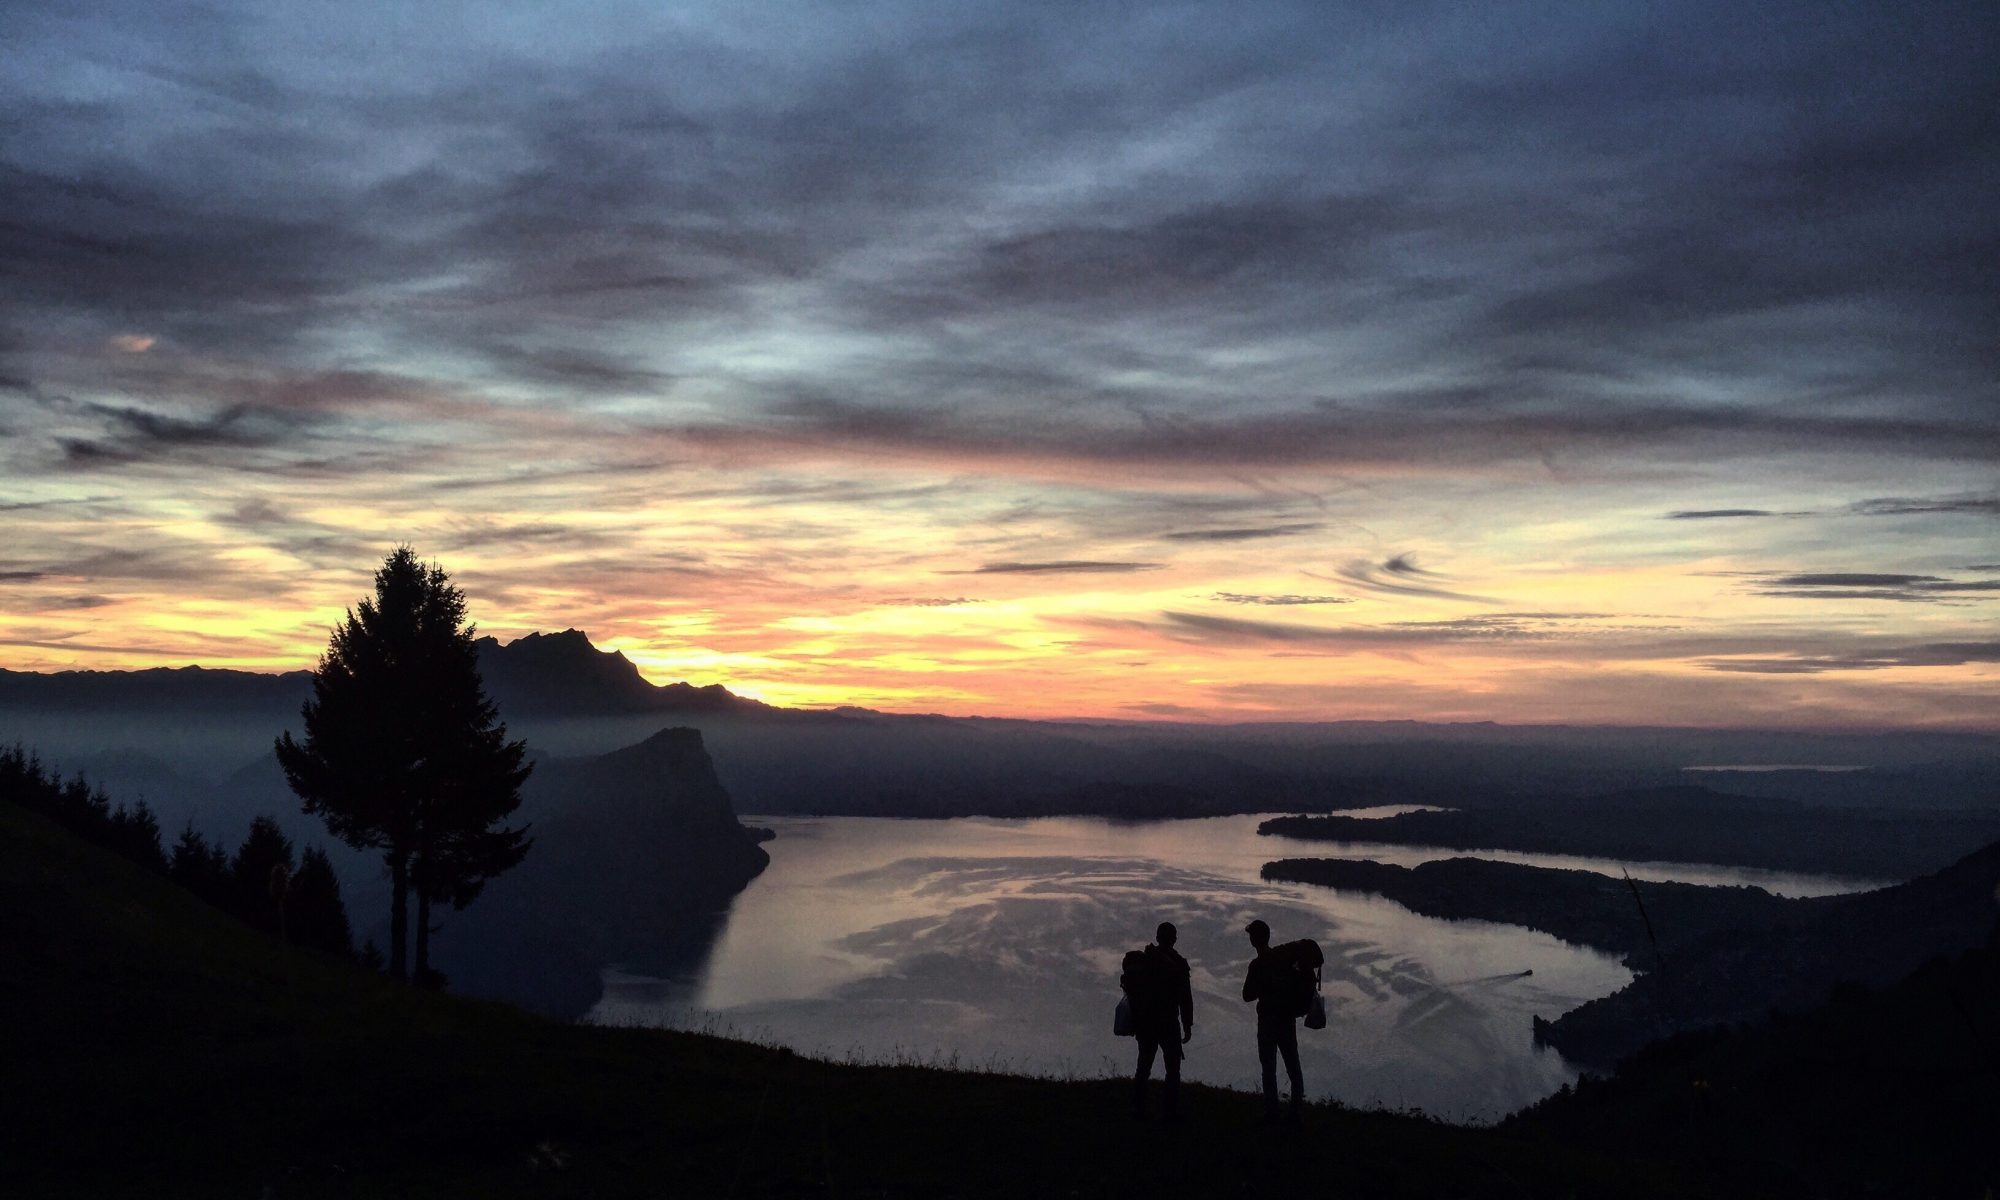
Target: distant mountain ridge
(541, 674)
(207, 688)
(196, 743)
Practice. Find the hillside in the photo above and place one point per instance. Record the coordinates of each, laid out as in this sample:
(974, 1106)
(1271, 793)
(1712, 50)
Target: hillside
(1740, 973)
(158, 1048)
(1879, 1093)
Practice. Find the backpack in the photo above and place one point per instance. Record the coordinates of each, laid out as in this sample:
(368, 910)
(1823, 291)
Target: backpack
(1137, 981)
(1301, 961)
(1140, 980)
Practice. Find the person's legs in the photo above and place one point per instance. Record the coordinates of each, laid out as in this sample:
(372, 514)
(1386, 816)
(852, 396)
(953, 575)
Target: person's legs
(1267, 1057)
(1288, 1044)
(1148, 1046)
(1170, 1053)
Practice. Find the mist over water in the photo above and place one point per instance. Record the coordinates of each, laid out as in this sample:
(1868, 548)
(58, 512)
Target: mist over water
(997, 942)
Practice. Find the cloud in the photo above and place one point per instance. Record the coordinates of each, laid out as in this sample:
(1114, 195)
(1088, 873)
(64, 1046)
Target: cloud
(1859, 585)
(1970, 505)
(927, 601)
(1286, 529)
(137, 435)
(1223, 246)
(1326, 434)
(33, 604)
(832, 290)
(1936, 654)
(1399, 575)
(1279, 600)
(1161, 708)
(1058, 567)
(1349, 638)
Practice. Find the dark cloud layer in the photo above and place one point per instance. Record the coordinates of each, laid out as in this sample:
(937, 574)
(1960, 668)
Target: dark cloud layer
(1862, 585)
(1525, 248)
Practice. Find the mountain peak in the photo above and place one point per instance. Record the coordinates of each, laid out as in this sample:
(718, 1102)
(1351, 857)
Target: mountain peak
(564, 672)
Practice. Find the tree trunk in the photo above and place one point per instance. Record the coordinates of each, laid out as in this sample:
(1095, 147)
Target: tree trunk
(399, 915)
(423, 938)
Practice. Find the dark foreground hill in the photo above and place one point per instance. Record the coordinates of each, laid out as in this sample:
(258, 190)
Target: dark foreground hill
(155, 1047)
(1879, 1093)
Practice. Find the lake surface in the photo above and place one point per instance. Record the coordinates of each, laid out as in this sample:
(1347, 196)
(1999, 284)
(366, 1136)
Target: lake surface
(996, 943)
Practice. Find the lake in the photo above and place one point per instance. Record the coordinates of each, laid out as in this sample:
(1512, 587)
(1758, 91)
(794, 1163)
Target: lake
(996, 944)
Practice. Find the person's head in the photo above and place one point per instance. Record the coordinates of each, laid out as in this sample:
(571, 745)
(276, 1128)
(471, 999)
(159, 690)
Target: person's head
(1166, 935)
(1260, 934)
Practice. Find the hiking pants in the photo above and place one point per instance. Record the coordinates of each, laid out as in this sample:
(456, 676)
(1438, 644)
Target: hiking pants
(1275, 1036)
(1165, 1041)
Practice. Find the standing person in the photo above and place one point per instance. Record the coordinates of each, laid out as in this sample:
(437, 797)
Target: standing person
(1162, 1000)
(1266, 983)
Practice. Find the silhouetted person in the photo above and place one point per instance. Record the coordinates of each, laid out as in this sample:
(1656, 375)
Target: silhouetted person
(1162, 1000)
(1266, 983)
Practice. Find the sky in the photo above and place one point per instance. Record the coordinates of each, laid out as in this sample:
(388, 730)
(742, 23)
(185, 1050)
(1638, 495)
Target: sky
(1633, 363)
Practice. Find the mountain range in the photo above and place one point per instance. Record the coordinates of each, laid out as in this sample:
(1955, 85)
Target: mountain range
(196, 744)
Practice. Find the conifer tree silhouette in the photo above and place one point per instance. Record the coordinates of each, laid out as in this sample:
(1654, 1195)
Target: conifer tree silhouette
(264, 849)
(404, 753)
(318, 917)
(200, 868)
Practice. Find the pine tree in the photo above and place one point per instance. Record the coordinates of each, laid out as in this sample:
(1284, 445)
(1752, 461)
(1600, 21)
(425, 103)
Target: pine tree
(202, 868)
(135, 833)
(403, 752)
(318, 918)
(188, 858)
(258, 893)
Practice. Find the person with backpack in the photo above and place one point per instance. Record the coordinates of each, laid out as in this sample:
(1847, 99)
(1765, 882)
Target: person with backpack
(1160, 994)
(1283, 993)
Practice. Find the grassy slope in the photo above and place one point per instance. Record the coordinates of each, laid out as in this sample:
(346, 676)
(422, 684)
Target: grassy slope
(1879, 1093)
(155, 1047)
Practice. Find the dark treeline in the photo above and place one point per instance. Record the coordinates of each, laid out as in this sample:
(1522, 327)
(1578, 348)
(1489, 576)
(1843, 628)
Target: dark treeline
(86, 811)
(264, 884)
